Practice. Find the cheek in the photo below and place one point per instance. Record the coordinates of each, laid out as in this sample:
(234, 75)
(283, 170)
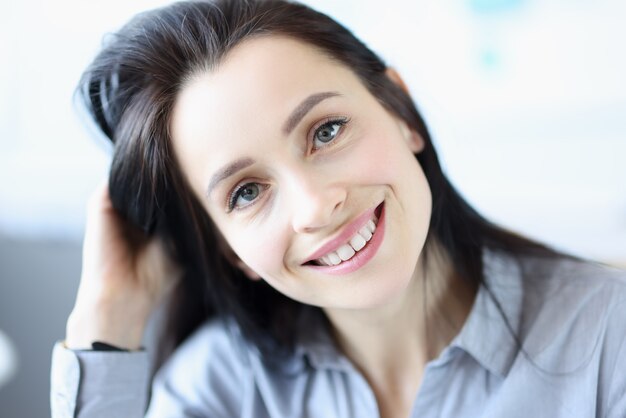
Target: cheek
(380, 158)
(261, 249)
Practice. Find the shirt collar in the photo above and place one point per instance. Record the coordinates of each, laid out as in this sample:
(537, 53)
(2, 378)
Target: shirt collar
(315, 342)
(489, 333)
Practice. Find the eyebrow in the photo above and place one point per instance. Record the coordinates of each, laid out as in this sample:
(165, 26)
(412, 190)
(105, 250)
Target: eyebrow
(304, 107)
(227, 171)
(292, 121)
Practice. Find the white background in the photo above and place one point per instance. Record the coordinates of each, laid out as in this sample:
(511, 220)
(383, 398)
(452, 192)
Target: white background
(526, 100)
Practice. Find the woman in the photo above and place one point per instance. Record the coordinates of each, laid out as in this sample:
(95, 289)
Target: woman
(272, 178)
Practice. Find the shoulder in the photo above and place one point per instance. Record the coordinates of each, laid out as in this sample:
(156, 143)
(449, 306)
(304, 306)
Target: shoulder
(567, 318)
(567, 290)
(577, 324)
(572, 311)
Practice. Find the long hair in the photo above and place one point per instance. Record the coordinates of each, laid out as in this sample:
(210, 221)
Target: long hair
(129, 90)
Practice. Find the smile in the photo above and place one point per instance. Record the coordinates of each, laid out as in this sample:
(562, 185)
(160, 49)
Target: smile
(350, 248)
(346, 254)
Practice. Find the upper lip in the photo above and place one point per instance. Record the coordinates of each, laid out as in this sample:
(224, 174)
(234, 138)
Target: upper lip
(346, 233)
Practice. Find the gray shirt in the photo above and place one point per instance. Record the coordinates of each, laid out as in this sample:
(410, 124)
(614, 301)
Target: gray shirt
(569, 317)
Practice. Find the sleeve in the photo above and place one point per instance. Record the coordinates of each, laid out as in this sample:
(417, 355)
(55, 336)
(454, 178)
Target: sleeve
(98, 384)
(205, 377)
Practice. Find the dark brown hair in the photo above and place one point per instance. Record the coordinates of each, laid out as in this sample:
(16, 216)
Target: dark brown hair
(130, 88)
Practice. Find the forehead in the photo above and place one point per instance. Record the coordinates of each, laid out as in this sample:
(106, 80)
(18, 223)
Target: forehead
(268, 71)
(247, 96)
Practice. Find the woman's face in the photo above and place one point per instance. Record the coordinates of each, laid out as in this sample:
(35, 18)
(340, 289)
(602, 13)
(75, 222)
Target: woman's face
(293, 159)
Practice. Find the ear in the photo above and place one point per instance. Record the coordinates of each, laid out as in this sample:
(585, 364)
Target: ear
(394, 76)
(413, 139)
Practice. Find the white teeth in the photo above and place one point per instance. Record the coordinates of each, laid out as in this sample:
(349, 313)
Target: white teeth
(357, 242)
(334, 258)
(345, 252)
(365, 233)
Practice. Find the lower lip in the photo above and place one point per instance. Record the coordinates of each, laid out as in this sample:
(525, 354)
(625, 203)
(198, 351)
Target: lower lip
(363, 256)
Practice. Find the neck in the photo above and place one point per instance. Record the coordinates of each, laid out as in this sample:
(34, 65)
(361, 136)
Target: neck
(391, 344)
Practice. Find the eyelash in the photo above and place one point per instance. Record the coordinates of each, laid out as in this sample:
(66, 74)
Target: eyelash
(341, 121)
(235, 194)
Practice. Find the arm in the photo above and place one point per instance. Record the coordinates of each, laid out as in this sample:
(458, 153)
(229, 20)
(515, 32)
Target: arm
(125, 275)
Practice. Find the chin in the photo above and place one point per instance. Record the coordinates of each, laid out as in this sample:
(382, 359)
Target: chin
(386, 292)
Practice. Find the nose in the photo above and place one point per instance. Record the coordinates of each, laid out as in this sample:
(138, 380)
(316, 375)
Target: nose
(315, 201)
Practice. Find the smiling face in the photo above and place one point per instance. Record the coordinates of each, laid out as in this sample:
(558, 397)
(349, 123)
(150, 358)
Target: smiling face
(297, 164)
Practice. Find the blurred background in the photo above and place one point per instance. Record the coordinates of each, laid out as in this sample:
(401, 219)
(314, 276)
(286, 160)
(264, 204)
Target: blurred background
(526, 100)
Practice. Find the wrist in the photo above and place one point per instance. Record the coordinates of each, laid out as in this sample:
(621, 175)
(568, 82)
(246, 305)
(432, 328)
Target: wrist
(83, 329)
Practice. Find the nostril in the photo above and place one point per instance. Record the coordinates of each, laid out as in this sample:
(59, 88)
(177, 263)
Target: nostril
(338, 205)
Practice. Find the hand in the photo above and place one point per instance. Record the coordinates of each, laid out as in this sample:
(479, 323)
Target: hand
(125, 274)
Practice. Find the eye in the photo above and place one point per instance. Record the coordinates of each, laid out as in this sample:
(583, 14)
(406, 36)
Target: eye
(327, 132)
(244, 195)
